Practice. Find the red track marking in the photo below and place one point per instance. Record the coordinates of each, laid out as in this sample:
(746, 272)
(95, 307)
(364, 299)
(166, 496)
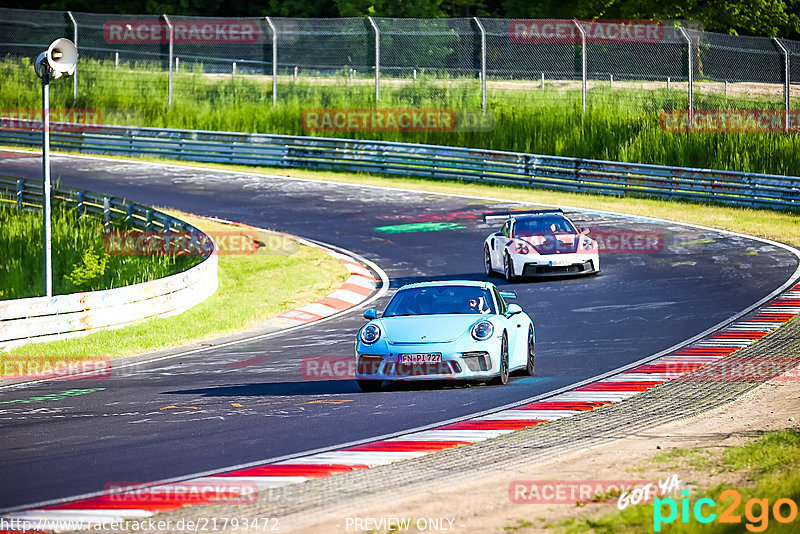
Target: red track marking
(563, 405)
(678, 367)
(355, 288)
(293, 470)
(739, 334)
(333, 302)
(300, 315)
(515, 424)
(786, 302)
(620, 386)
(771, 317)
(407, 446)
(706, 351)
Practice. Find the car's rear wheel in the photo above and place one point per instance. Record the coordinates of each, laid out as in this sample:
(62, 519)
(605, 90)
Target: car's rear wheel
(508, 268)
(531, 353)
(369, 385)
(502, 378)
(487, 262)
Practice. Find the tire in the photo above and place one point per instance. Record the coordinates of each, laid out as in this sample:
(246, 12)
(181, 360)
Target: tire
(487, 262)
(530, 369)
(369, 386)
(502, 378)
(508, 268)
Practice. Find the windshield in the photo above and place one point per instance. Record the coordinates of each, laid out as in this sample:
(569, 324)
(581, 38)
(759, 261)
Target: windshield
(543, 225)
(440, 300)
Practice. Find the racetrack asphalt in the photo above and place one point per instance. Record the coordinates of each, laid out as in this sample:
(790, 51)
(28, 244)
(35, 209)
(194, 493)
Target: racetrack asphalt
(250, 402)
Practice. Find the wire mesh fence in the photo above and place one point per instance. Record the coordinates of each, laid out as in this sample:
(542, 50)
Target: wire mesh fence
(468, 60)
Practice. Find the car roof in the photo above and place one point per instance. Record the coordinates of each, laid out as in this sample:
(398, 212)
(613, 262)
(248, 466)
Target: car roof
(444, 283)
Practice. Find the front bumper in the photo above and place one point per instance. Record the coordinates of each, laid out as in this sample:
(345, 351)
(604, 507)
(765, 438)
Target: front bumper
(458, 362)
(556, 264)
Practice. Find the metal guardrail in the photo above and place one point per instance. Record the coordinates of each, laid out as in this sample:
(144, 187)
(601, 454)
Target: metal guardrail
(36, 319)
(425, 161)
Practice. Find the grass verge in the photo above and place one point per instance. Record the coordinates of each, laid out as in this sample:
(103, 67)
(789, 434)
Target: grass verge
(80, 262)
(252, 288)
(770, 466)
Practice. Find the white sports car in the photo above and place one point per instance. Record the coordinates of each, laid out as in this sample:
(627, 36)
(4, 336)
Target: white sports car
(539, 243)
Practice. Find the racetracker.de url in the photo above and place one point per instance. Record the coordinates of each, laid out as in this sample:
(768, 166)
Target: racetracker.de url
(202, 524)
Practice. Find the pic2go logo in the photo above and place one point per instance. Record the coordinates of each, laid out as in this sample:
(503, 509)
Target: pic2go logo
(756, 511)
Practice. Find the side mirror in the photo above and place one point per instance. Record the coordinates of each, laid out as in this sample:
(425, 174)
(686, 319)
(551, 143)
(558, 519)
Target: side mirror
(584, 231)
(513, 309)
(371, 314)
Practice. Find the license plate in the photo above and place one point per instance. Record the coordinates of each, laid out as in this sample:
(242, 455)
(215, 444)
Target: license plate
(421, 358)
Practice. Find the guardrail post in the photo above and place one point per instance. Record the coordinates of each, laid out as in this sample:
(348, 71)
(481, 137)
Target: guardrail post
(148, 218)
(171, 43)
(75, 42)
(106, 213)
(483, 62)
(167, 224)
(274, 61)
(81, 206)
(787, 77)
(690, 65)
(128, 214)
(20, 193)
(583, 63)
(377, 59)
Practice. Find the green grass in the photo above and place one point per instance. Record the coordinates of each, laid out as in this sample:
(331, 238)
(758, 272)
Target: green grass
(80, 262)
(621, 124)
(252, 288)
(771, 463)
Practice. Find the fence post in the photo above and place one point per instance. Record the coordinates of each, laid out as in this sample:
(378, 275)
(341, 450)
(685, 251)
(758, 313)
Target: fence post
(787, 78)
(75, 41)
(583, 63)
(20, 193)
(81, 204)
(690, 65)
(483, 63)
(106, 213)
(377, 59)
(274, 61)
(171, 48)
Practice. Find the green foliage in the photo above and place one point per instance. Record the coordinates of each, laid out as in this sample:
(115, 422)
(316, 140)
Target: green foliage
(86, 273)
(79, 261)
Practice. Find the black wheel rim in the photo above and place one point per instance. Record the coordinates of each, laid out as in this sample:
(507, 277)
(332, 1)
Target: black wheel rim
(507, 267)
(530, 349)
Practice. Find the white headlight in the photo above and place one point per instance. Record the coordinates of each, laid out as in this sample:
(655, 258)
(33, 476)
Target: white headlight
(482, 330)
(370, 334)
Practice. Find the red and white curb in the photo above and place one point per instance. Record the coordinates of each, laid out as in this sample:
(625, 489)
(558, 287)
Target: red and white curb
(358, 287)
(216, 487)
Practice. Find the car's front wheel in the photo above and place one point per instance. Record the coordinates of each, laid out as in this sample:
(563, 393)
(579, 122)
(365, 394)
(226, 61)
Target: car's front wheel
(531, 353)
(369, 385)
(508, 268)
(502, 378)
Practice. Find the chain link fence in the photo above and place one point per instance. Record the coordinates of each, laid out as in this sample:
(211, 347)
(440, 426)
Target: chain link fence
(388, 60)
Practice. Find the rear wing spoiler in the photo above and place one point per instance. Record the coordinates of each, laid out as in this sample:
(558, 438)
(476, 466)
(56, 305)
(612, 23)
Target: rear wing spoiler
(503, 215)
(508, 294)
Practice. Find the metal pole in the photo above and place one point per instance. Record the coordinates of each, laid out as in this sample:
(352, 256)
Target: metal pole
(583, 63)
(690, 64)
(177, 65)
(377, 59)
(75, 42)
(233, 71)
(274, 61)
(295, 74)
(786, 81)
(543, 82)
(48, 257)
(171, 43)
(611, 80)
(116, 59)
(483, 62)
